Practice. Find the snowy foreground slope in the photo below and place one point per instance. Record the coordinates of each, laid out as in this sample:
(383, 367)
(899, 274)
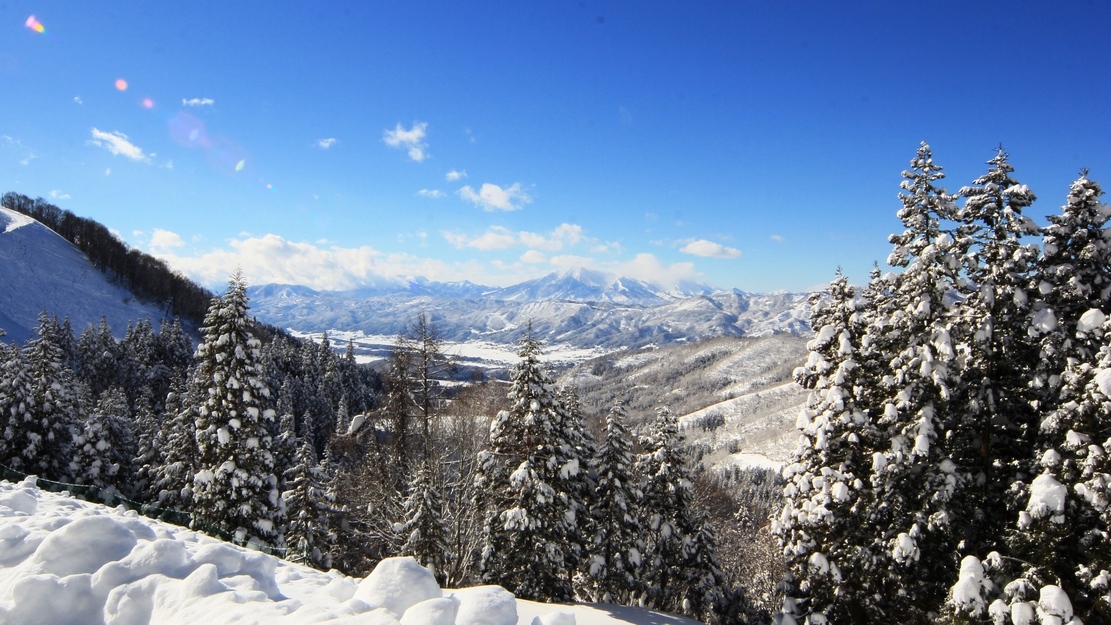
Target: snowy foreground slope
(65, 561)
(41, 270)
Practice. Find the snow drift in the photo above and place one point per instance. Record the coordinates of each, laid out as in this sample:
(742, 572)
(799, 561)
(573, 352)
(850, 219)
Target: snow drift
(69, 561)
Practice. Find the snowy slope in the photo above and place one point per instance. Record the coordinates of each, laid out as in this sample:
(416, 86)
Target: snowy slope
(77, 563)
(41, 270)
(735, 396)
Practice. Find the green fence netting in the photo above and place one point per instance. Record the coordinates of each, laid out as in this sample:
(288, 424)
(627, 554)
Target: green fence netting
(177, 517)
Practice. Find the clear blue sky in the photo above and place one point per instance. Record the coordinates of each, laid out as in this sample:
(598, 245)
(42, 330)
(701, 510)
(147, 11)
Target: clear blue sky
(742, 144)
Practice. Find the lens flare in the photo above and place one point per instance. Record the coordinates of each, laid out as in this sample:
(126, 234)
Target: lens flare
(34, 25)
(188, 131)
(269, 187)
(239, 165)
(148, 103)
(121, 84)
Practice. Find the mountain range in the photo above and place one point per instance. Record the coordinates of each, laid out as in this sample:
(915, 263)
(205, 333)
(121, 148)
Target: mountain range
(579, 308)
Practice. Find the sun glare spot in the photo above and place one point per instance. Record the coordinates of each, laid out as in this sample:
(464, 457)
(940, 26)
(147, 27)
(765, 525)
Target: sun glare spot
(121, 84)
(34, 25)
(148, 103)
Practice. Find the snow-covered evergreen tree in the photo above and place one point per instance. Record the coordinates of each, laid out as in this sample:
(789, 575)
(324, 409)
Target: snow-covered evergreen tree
(911, 376)
(826, 535)
(424, 532)
(614, 556)
(675, 567)
(234, 484)
(98, 358)
(309, 506)
(530, 517)
(991, 436)
(171, 482)
(1072, 277)
(104, 452)
(42, 404)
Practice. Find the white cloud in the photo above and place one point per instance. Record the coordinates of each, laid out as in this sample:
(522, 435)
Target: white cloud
(78, 100)
(412, 140)
(564, 234)
(496, 238)
(165, 240)
(709, 249)
(198, 102)
(533, 257)
(434, 194)
(118, 144)
(778, 237)
(649, 268)
(454, 175)
(58, 195)
(491, 197)
(324, 144)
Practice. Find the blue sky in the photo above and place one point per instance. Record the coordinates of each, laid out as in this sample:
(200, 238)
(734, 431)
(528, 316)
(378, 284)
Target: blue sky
(740, 144)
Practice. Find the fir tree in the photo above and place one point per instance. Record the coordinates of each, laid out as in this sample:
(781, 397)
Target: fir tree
(991, 436)
(104, 453)
(234, 485)
(823, 527)
(615, 554)
(172, 479)
(42, 405)
(675, 568)
(530, 516)
(1072, 277)
(424, 531)
(309, 505)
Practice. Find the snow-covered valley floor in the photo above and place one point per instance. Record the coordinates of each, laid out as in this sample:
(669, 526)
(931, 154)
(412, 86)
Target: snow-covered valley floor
(69, 562)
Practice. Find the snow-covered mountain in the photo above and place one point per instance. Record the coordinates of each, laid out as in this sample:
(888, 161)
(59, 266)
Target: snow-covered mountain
(580, 308)
(40, 270)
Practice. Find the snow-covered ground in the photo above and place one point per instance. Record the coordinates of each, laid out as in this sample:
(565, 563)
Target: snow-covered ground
(68, 561)
(372, 347)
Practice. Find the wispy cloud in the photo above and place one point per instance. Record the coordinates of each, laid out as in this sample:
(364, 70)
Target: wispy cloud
(534, 257)
(455, 175)
(324, 144)
(198, 102)
(411, 140)
(709, 249)
(491, 197)
(117, 143)
(78, 100)
(501, 238)
(164, 240)
(434, 194)
(28, 156)
(778, 238)
(496, 238)
(58, 195)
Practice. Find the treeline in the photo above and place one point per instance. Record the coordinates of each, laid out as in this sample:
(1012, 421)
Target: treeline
(150, 279)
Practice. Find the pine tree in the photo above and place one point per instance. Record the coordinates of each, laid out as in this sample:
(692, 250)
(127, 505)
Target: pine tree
(43, 406)
(172, 478)
(234, 485)
(991, 436)
(104, 453)
(614, 556)
(98, 358)
(675, 567)
(309, 505)
(530, 517)
(1072, 277)
(823, 526)
(913, 371)
(424, 531)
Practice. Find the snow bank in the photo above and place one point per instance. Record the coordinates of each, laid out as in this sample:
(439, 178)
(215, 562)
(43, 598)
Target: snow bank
(68, 561)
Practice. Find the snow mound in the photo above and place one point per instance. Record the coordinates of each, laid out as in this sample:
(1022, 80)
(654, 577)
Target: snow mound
(69, 561)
